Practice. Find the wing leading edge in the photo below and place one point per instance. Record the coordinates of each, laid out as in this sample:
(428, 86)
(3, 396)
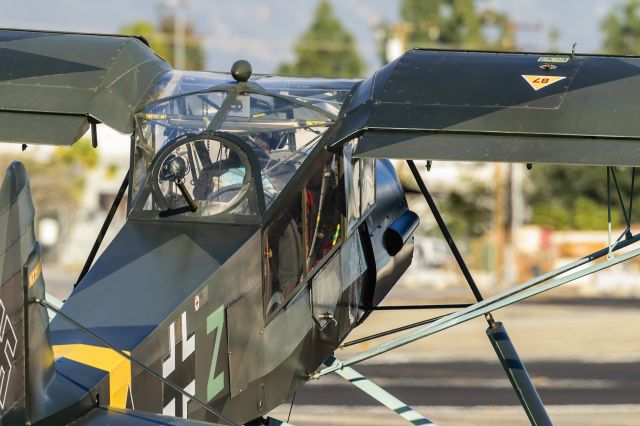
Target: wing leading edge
(484, 106)
(52, 84)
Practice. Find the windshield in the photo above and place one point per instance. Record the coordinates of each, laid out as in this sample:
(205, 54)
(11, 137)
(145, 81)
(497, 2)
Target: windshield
(279, 130)
(203, 177)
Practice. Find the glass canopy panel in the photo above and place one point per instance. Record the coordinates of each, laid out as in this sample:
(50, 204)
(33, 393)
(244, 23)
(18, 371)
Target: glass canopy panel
(215, 175)
(328, 95)
(175, 83)
(164, 121)
(280, 132)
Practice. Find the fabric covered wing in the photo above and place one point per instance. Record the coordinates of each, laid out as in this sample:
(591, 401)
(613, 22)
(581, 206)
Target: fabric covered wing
(52, 84)
(482, 106)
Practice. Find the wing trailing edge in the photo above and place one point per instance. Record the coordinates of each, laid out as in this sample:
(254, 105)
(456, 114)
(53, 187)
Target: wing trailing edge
(53, 84)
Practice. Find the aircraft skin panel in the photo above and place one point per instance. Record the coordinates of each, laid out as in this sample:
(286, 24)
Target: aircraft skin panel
(71, 75)
(293, 325)
(246, 341)
(427, 99)
(106, 359)
(390, 205)
(18, 127)
(141, 269)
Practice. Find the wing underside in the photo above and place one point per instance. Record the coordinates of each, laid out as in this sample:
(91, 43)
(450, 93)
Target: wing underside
(52, 84)
(513, 107)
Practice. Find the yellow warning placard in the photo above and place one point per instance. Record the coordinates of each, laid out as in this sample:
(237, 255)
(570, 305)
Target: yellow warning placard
(538, 82)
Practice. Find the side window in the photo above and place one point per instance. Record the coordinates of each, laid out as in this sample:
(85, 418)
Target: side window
(323, 210)
(360, 184)
(352, 185)
(283, 252)
(367, 184)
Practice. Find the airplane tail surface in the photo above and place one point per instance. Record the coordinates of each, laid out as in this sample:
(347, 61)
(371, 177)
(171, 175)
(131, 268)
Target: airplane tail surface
(30, 389)
(19, 253)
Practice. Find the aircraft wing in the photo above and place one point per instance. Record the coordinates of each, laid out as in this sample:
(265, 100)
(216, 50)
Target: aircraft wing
(514, 107)
(52, 84)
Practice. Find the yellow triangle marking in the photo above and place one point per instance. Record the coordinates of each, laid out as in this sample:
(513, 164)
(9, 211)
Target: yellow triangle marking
(537, 82)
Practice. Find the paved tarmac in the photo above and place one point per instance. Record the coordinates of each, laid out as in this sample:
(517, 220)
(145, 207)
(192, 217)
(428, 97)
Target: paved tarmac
(476, 393)
(583, 355)
(564, 415)
(472, 383)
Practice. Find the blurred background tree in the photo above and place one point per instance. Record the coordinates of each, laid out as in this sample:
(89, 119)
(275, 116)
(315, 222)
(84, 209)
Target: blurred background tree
(575, 197)
(450, 24)
(470, 209)
(162, 40)
(57, 183)
(458, 24)
(621, 29)
(453, 24)
(552, 196)
(326, 49)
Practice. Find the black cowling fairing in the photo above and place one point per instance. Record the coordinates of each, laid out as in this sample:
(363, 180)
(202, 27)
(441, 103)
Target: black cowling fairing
(479, 106)
(390, 205)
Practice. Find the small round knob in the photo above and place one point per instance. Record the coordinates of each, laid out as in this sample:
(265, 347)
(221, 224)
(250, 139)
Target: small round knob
(241, 70)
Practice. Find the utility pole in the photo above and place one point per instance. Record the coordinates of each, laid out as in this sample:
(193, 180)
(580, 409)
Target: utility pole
(498, 223)
(179, 31)
(507, 216)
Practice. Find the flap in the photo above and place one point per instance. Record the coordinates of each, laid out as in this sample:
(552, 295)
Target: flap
(484, 106)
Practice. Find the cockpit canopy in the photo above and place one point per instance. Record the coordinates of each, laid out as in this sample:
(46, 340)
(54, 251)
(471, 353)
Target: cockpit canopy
(214, 137)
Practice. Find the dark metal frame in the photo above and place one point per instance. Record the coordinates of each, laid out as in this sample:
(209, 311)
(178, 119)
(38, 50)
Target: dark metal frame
(513, 366)
(392, 331)
(291, 190)
(505, 350)
(104, 229)
(233, 90)
(611, 172)
(256, 190)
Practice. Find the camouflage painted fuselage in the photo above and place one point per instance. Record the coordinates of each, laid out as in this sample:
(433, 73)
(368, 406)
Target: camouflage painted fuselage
(186, 299)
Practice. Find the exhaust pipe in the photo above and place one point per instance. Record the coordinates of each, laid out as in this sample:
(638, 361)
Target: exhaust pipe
(399, 232)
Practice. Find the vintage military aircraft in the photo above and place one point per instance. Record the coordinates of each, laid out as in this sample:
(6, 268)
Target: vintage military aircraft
(264, 220)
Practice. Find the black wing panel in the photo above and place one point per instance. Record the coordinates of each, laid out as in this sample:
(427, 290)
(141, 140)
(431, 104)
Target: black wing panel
(482, 106)
(66, 75)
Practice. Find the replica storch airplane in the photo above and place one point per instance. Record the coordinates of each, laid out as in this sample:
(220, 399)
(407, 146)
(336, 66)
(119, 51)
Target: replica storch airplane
(264, 220)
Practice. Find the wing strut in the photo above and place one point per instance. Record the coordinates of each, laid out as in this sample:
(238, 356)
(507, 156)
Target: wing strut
(497, 334)
(506, 352)
(524, 291)
(104, 229)
(379, 394)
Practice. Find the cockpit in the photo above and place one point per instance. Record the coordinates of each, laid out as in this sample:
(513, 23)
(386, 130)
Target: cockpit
(205, 146)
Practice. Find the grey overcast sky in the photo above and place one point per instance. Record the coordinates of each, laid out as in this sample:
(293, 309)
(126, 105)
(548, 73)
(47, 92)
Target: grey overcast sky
(264, 31)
